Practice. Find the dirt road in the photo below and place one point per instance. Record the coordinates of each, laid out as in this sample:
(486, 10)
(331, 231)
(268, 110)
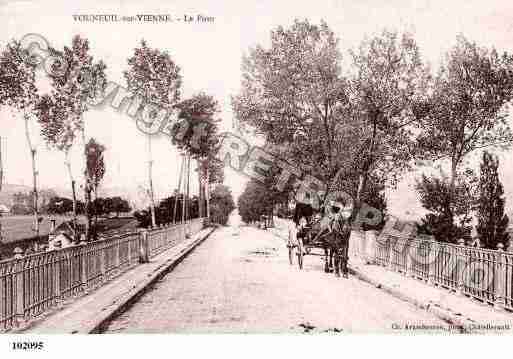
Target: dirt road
(239, 281)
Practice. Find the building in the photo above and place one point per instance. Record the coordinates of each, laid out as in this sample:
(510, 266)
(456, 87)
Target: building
(62, 235)
(4, 209)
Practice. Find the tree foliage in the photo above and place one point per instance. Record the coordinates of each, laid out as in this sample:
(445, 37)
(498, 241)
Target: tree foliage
(221, 204)
(254, 202)
(153, 76)
(95, 166)
(358, 123)
(450, 210)
(293, 94)
(197, 132)
(466, 109)
(492, 221)
(17, 78)
(77, 82)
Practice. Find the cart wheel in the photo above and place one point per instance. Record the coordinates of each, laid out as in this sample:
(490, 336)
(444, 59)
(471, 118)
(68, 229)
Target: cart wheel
(291, 254)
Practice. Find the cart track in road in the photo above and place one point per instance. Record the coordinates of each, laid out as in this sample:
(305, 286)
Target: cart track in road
(239, 281)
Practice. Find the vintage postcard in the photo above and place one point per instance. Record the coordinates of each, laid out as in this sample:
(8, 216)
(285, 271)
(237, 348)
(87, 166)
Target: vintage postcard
(191, 167)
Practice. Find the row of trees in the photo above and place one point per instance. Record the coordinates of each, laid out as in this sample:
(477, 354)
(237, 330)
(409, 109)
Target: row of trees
(173, 209)
(101, 206)
(177, 208)
(154, 78)
(77, 82)
(359, 125)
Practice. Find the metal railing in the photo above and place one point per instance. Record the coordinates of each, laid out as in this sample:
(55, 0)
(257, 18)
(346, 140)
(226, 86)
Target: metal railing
(476, 272)
(31, 285)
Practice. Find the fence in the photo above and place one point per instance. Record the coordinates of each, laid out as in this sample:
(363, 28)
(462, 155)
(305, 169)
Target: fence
(484, 274)
(31, 285)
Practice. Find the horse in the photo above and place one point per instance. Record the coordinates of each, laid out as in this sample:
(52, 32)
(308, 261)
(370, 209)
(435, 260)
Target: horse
(332, 233)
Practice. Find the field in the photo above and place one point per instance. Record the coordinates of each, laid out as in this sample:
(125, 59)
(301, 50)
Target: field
(15, 228)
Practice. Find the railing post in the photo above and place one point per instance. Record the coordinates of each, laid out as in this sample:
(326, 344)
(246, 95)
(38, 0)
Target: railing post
(129, 250)
(370, 255)
(433, 247)
(390, 265)
(103, 253)
(408, 271)
(57, 271)
(500, 290)
(20, 289)
(117, 243)
(143, 247)
(83, 262)
(460, 271)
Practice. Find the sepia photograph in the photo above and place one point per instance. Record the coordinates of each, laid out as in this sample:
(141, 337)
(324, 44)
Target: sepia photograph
(316, 169)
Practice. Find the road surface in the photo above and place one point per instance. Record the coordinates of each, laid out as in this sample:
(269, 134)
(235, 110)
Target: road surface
(239, 281)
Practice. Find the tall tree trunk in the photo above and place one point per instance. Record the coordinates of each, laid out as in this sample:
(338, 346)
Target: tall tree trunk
(454, 174)
(364, 174)
(34, 175)
(183, 194)
(87, 191)
(187, 197)
(180, 175)
(88, 225)
(95, 211)
(150, 180)
(67, 163)
(1, 166)
(207, 190)
(201, 194)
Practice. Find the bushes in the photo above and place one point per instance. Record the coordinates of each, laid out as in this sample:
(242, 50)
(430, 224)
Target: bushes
(165, 211)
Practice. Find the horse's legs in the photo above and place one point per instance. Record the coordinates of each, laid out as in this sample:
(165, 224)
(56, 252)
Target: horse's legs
(326, 254)
(337, 261)
(331, 257)
(344, 258)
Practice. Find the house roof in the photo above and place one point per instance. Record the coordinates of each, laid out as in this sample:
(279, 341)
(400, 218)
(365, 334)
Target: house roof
(67, 227)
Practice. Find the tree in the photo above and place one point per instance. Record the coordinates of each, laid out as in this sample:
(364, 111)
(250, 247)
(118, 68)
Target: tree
(18, 90)
(155, 79)
(59, 205)
(95, 170)
(447, 205)
(108, 205)
(254, 201)
(467, 108)
(198, 134)
(492, 221)
(335, 126)
(390, 81)
(98, 206)
(79, 82)
(222, 204)
(294, 94)
(119, 205)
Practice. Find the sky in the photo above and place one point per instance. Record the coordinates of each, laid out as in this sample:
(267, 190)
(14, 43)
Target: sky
(209, 55)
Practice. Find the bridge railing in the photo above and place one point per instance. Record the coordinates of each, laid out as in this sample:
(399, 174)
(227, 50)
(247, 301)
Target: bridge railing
(484, 274)
(33, 284)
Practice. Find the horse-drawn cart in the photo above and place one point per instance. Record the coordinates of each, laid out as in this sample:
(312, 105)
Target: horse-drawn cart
(331, 235)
